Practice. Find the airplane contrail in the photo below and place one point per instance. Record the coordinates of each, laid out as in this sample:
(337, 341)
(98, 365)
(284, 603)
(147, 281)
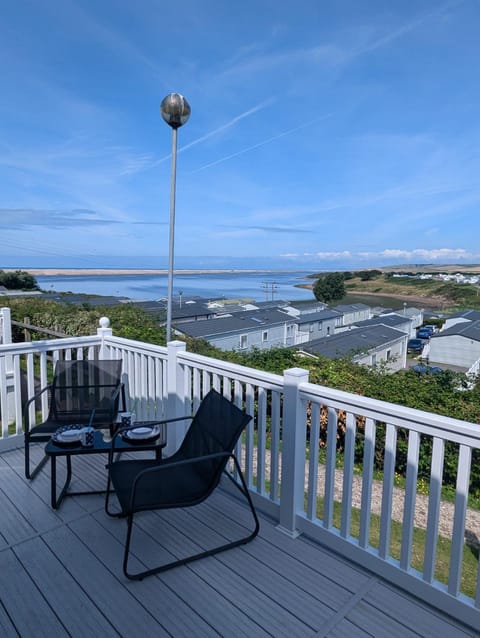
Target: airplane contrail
(262, 143)
(218, 130)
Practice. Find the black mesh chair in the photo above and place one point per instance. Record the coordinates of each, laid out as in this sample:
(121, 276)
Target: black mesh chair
(186, 478)
(78, 390)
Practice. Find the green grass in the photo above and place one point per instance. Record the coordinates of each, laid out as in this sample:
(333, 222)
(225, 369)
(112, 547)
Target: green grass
(444, 545)
(470, 559)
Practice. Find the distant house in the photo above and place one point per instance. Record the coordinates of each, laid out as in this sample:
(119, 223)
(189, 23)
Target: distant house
(315, 325)
(262, 329)
(353, 312)
(196, 308)
(187, 309)
(461, 317)
(304, 308)
(393, 320)
(415, 314)
(371, 346)
(457, 345)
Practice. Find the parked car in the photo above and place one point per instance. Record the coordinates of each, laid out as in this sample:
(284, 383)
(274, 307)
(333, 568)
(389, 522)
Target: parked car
(423, 333)
(415, 345)
(433, 329)
(423, 369)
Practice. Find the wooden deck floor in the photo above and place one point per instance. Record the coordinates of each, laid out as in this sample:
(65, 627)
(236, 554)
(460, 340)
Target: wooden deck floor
(60, 574)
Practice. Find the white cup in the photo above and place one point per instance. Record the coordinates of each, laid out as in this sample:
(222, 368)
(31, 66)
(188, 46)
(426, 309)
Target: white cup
(87, 436)
(127, 419)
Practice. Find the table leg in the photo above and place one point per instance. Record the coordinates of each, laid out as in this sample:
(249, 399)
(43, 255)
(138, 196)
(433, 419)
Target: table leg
(53, 481)
(56, 501)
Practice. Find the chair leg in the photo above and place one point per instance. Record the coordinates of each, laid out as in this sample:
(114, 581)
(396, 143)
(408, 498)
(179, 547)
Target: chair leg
(29, 474)
(118, 514)
(182, 561)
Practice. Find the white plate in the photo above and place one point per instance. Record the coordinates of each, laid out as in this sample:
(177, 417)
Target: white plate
(70, 435)
(142, 433)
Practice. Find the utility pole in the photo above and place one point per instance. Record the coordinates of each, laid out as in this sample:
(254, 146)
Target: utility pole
(269, 287)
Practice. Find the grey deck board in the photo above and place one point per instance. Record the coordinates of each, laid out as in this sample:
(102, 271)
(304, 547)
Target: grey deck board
(373, 621)
(209, 592)
(123, 610)
(399, 608)
(153, 593)
(61, 573)
(279, 582)
(28, 610)
(45, 567)
(310, 579)
(346, 629)
(14, 528)
(7, 628)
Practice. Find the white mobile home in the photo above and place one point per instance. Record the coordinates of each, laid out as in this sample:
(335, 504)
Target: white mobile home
(457, 346)
(370, 346)
(261, 329)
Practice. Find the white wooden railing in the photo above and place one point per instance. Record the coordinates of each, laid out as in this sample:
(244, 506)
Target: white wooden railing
(280, 452)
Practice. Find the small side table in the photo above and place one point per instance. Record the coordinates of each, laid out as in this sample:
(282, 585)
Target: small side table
(100, 446)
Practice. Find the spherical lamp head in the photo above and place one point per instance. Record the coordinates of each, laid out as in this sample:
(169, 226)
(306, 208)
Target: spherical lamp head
(175, 110)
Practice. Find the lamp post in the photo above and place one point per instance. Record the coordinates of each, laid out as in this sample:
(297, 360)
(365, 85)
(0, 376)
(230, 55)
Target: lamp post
(175, 110)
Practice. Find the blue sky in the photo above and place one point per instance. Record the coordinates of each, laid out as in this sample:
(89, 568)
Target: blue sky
(333, 133)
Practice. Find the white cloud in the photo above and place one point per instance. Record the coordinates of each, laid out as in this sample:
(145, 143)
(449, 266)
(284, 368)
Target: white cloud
(418, 255)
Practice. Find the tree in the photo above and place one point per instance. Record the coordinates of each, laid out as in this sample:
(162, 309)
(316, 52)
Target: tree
(368, 275)
(330, 287)
(18, 280)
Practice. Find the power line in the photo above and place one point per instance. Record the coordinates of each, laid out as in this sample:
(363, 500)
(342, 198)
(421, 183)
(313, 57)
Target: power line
(269, 287)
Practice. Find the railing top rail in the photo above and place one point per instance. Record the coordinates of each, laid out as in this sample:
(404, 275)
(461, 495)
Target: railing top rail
(49, 344)
(234, 369)
(136, 345)
(427, 422)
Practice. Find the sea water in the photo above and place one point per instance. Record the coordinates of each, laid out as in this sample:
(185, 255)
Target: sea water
(260, 286)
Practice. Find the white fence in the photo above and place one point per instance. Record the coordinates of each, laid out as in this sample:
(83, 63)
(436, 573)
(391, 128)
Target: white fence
(290, 453)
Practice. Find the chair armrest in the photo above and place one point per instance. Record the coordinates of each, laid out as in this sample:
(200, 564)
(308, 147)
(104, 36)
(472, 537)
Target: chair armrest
(120, 431)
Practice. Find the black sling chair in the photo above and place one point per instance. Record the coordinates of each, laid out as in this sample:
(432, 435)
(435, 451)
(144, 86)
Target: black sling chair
(186, 478)
(78, 390)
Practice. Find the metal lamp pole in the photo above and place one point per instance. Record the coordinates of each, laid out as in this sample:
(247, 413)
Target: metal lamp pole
(175, 110)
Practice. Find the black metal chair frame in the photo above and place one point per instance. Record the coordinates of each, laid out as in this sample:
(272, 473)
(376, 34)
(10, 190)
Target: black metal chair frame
(160, 466)
(42, 432)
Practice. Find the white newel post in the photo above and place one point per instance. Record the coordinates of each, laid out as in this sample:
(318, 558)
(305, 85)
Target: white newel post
(9, 389)
(102, 332)
(175, 397)
(5, 326)
(293, 453)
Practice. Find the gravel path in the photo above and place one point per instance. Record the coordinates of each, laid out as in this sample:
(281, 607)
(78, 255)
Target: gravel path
(445, 526)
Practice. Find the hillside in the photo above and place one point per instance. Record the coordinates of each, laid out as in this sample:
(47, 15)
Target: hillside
(434, 268)
(430, 293)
